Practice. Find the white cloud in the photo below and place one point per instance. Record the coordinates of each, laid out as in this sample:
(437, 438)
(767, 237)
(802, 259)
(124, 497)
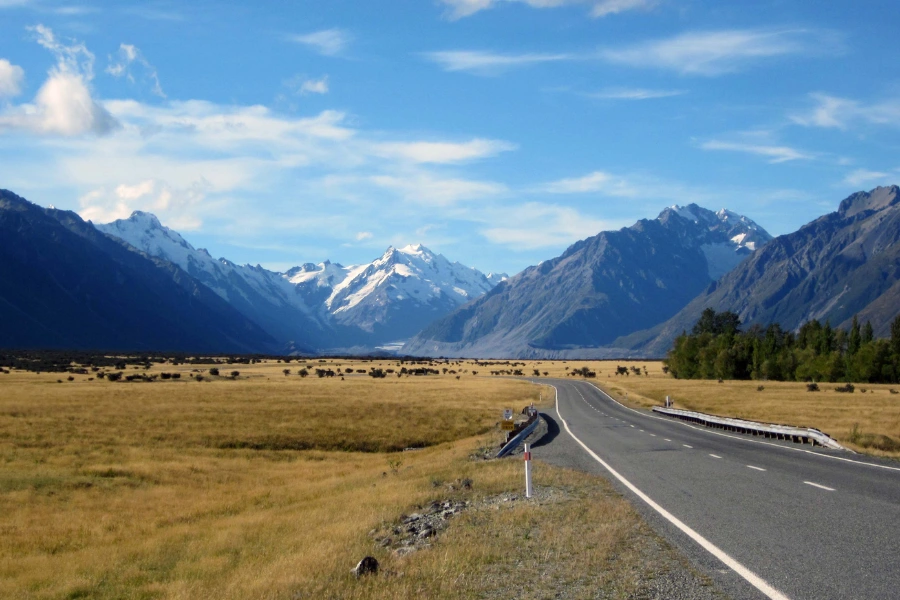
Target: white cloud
(121, 67)
(633, 94)
(433, 190)
(71, 58)
(173, 206)
(488, 63)
(718, 52)
(614, 7)
(458, 9)
(775, 154)
(861, 177)
(534, 225)
(442, 152)
(314, 86)
(840, 113)
(11, 77)
(363, 235)
(64, 104)
(598, 181)
(329, 42)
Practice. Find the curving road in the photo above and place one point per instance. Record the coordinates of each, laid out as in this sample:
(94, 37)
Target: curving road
(761, 518)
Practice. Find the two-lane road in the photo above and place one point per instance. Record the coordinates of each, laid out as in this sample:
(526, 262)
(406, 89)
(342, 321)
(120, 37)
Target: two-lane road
(781, 520)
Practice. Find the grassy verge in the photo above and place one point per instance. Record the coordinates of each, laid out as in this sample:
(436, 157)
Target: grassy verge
(175, 489)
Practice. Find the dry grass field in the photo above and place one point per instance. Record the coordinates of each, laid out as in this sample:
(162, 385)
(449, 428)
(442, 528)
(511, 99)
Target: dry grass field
(266, 487)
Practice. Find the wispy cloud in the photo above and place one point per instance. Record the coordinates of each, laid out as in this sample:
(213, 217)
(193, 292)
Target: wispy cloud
(64, 104)
(11, 77)
(489, 63)
(458, 9)
(614, 7)
(841, 113)
(328, 42)
(442, 152)
(597, 181)
(121, 66)
(633, 94)
(775, 154)
(535, 225)
(434, 190)
(717, 52)
(861, 177)
(315, 86)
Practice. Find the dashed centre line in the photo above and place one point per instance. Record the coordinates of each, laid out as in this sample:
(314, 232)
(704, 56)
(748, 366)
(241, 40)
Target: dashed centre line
(715, 456)
(667, 439)
(755, 468)
(820, 486)
(686, 446)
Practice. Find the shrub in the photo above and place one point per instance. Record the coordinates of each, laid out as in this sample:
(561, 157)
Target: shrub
(176, 375)
(760, 388)
(235, 374)
(845, 389)
(214, 371)
(812, 387)
(302, 372)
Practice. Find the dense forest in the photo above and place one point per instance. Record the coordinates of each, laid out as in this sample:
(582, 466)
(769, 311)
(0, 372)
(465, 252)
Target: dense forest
(716, 348)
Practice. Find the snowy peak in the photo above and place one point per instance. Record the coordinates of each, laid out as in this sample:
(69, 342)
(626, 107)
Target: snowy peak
(725, 237)
(145, 232)
(370, 295)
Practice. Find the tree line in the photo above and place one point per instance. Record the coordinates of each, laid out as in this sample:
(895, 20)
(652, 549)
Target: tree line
(717, 348)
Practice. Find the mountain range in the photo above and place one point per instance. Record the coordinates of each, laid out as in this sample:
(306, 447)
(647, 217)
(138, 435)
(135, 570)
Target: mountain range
(599, 289)
(843, 264)
(325, 306)
(135, 284)
(63, 284)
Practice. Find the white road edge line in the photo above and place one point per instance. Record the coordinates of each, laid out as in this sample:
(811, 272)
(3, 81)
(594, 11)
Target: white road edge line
(755, 468)
(743, 439)
(751, 577)
(822, 487)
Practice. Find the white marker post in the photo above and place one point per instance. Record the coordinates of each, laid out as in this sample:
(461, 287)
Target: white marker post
(528, 490)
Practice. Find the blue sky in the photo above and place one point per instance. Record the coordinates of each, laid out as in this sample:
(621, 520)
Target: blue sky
(496, 132)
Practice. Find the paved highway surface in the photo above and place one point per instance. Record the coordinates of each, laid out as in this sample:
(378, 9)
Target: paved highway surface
(762, 518)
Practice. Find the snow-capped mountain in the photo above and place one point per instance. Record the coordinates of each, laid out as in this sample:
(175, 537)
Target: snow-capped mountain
(262, 295)
(325, 306)
(600, 289)
(731, 237)
(395, 295)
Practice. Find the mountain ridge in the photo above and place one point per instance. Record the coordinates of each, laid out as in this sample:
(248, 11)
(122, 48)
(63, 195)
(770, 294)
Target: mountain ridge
(840, 264)
(598, 289)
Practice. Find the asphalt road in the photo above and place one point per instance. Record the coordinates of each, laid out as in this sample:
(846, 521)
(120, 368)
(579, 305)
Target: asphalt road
(761, 518)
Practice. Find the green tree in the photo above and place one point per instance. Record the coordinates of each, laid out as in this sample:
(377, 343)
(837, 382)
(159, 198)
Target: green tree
(855, 339)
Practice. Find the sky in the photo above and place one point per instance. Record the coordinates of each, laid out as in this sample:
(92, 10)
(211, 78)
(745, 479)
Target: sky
(496, 132)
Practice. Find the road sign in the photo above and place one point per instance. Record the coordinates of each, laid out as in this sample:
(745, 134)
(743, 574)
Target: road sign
(507, 425)
(507, 414)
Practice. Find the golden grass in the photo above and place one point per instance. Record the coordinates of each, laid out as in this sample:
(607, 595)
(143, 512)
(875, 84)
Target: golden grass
(177, 490)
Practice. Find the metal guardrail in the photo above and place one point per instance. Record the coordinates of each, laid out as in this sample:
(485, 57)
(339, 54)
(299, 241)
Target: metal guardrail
(519, 438)
(801, 435)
